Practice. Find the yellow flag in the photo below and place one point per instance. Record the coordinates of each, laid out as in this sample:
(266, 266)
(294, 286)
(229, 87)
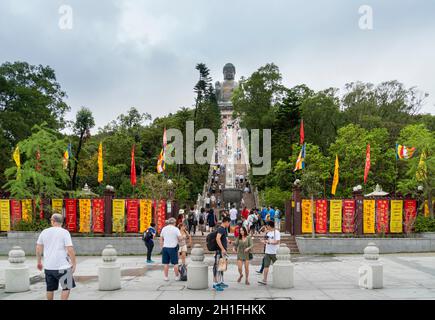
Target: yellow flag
(335, 180)
(421, 173)
(100, 163)
(17, 160)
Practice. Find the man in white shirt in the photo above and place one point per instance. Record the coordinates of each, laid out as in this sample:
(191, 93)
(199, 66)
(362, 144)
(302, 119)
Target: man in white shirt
(273, 237)
(59, 258)
(233, 216)
(207, 202)
(169, 237)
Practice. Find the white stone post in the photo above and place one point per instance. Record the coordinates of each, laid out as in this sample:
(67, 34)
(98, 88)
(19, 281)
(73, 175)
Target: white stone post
(371, 272)
(17, 273)
(283, 269)
(109, 274)
(197, 270)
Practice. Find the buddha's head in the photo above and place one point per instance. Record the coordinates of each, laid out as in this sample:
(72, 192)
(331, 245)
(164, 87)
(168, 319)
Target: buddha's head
(229, 71)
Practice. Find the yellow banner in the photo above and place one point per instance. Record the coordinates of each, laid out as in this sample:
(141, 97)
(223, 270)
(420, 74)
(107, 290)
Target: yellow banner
(307, 220)
(57, 205)
(426, 208)
(335, 209)
(5, 217)
(26, 206)
(396, 219)
(369, 216)
(85, 215)
(145, 214)
(118, 215)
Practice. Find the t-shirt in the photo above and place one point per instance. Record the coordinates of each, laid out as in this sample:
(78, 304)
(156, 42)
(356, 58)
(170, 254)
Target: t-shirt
(272, 214)
(207, 200)
(245, 213)
(54, 240)
(263, 213)
(272, 248)
(170, 236)
(224, 235)
(213, 199)
(153, 232)
(233, 214)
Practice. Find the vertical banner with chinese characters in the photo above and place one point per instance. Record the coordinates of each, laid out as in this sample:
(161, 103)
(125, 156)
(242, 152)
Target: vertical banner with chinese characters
(348, 216)
(145, 214)
(85, 215)
(57, 205)
(307, 221)
(15, 211)
(118, 215)
(426, 208)
(321, 216)
(335, 216)
(26, 210)
(71, 214)
(410, 214)
(382, 216)
(396, 220)
(98, 215)
(161, 215)
(5, 218)
(132, 215)
(369, 216)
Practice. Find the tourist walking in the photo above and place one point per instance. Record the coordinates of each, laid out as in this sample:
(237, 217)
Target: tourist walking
(211, 220)
(278, 217)
(56, 246)
(243, 246)
(185, 236)
(272, 244)
(233, 215)
(222, 241)
(201, 220)
(169, 238)
(148, 238)
(191, 219)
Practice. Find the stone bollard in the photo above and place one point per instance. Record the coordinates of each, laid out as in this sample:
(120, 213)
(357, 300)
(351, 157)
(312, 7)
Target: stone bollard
(283, 269)
(371, 272)
(109, 274)
(17, 274)
(197, 270)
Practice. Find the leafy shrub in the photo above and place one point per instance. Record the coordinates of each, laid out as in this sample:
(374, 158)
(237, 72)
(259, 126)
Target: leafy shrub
(424, 224)
(34, 225)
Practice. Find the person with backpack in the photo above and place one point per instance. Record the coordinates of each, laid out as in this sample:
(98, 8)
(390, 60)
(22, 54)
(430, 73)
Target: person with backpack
(148, 238)
(220, 245)
(191, 219)
(201, 221)
(273, 238)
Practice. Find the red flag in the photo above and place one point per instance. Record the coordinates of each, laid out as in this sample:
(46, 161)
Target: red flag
(302, 132)
(133, 169)
(367, 168)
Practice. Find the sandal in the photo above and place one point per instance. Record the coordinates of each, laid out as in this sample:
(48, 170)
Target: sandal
(247, 282)
(240, 278)
(262, 282)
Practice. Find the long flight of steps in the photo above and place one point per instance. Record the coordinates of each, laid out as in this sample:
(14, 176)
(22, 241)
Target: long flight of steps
(290, 241)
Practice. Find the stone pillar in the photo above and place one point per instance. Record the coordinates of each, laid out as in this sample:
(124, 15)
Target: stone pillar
(283, 270)
(371, 272)
(297, 212)
(197, 270)
(359, 222)
(109, 274)
(17, 273)
(109, 194)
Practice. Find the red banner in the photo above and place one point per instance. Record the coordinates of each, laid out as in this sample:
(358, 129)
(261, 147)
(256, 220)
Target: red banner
(410, 214)
(98, 215)
(321, 216)
(367, 166)
(71, 214)
(382, 207)
(161, 215)
(348, 216)
(132, 215)
(15, 211)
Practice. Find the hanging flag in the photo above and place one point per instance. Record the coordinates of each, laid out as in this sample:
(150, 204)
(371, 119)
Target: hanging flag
(403, 152)
(100, 163)
(132, 168)
(16, 157)
(300, 163)
(161, 163)
(367, 167)
(421, 173)
(302, 132)
(335, 180)
(66, 156)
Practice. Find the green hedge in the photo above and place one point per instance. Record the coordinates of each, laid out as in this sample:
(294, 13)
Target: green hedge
(424, 224)
(34, 225)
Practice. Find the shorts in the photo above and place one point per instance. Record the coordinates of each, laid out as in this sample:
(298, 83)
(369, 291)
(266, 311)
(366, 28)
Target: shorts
(233, 222)
(170, 255)
(183, 249)
(269, 259)
(63, 277)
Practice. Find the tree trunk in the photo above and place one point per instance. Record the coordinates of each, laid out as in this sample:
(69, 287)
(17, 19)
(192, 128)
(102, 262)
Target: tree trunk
(76, 163)
(429, 200)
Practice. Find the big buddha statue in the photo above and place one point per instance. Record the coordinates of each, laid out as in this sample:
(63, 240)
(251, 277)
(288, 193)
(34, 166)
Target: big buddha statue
(224, 90)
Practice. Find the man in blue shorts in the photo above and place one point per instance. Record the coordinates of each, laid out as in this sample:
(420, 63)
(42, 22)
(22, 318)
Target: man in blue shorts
(169, 238)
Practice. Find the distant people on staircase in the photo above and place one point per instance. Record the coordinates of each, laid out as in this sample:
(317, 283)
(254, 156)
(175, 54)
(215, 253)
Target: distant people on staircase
(219, 202)
(233, 215)
(213, 201)
(201, 221)
(207, 201)
(263, 215)
(191, 220)
(271, 214)
(252, 219)
(180, 217)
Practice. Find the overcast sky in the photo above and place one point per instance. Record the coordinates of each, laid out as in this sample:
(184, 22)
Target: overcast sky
(120, 54)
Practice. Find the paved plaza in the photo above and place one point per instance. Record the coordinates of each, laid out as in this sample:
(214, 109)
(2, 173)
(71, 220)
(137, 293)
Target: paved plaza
(331, 277)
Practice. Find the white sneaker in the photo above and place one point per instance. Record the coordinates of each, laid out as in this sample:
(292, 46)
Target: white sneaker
(177, 278)
(166, 278)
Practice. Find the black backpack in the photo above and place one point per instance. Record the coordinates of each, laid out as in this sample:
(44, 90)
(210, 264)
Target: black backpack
(147, 236)
(183, 272)
(211, 241)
